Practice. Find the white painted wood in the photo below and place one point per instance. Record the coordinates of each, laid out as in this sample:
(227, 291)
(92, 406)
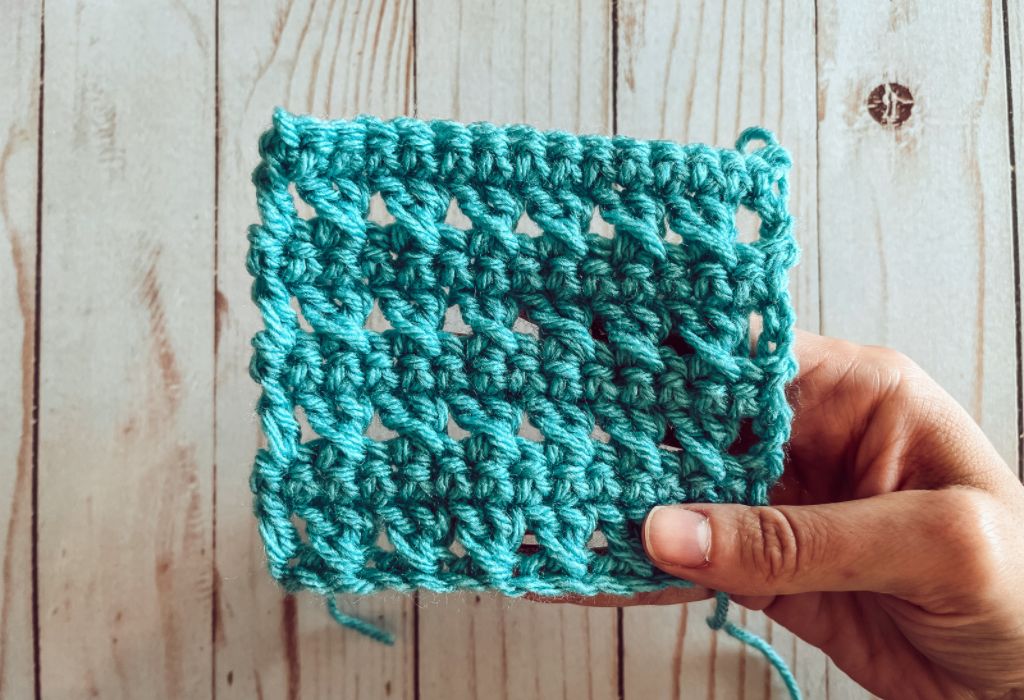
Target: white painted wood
(548, 64)
(915, 225)
(126, 365)
(704, 72)
(19, 148)
(151, 574)
(333, 60)
(915, 220)
(490, 646)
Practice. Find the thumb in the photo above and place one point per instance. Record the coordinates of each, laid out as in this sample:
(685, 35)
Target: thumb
(893, 543)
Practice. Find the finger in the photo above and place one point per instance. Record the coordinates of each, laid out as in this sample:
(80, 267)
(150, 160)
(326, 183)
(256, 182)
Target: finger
(904, 543)
(754, 602)
(811, 349)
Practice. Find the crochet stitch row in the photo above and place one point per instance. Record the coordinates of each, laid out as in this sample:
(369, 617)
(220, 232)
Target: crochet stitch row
(638, 370)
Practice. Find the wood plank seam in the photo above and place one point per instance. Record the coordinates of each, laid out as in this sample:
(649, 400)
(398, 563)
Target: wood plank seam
(1015, 235)
(817, 159)
(620, 647)
(214, 577)
(817, 210)
(36, 653)
(483, 62)
(416, 594)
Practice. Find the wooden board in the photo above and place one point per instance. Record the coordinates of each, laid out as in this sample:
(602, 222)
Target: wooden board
(149, 570)
(914, 204)
(548, 64)
(19, 151)
(126, 367)
(336, 59)
(704, 72)
(915, 213)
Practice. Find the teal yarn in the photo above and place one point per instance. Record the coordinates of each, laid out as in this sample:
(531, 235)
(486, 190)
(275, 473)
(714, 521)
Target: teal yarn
(718, 621)
(361, 626)
(638, 371)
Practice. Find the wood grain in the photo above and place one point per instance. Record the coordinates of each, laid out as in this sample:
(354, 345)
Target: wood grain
(704, 72)
(151, 575)
(916, 240)
(548, 64)
(333, 59)
(126, 366)
(915, 218)
(19, 149)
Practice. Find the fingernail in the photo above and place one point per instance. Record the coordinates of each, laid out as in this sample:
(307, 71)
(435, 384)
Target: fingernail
(678, 536)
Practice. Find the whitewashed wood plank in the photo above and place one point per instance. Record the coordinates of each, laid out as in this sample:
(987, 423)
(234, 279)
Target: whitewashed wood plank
(704, 72)
(488, 646)
(547, 64)
(126, 368)
(19, 148)
(1015, 39)
(543, 63)
(914, 202)
(915, 217)
(334, 60)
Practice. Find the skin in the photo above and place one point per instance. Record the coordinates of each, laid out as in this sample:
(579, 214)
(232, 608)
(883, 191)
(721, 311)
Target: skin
(894, 542)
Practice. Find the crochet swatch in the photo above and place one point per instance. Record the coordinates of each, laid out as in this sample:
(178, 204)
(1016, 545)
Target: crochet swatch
(630, 355)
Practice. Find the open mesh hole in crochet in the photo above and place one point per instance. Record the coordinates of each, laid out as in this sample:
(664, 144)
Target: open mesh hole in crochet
(680, 347)
(304, 323)
(755, 326)
(671, 235)
(669, 441)
(748, 225)
(376, 430)
(523, 324)
(745, 437)
(305, 429)
(597, 543)
(454, 323)
(379, 213)
(758, 344)
(300, 527)
(383, 542)
(303, 208)
(456, 217)
(376, 320)
(528, 226)
(456, 431)
(528, 430)
(601, 227)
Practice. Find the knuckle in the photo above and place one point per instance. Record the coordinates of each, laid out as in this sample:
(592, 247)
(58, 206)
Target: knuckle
(890, 357)
(770, 545)
(893, 370)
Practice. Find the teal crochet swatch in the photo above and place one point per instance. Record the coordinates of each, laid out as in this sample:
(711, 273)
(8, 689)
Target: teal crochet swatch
(630, 354)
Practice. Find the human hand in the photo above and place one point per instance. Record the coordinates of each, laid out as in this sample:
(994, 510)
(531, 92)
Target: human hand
(894, 542)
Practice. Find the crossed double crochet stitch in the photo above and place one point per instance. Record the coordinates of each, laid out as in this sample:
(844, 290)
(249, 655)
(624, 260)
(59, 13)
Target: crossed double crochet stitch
(638, 370)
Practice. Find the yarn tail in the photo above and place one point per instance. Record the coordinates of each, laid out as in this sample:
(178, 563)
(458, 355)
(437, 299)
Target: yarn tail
(718, 621)
(354, 623)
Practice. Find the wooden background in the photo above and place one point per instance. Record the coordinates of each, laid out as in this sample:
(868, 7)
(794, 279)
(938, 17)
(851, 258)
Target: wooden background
(131, 562)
